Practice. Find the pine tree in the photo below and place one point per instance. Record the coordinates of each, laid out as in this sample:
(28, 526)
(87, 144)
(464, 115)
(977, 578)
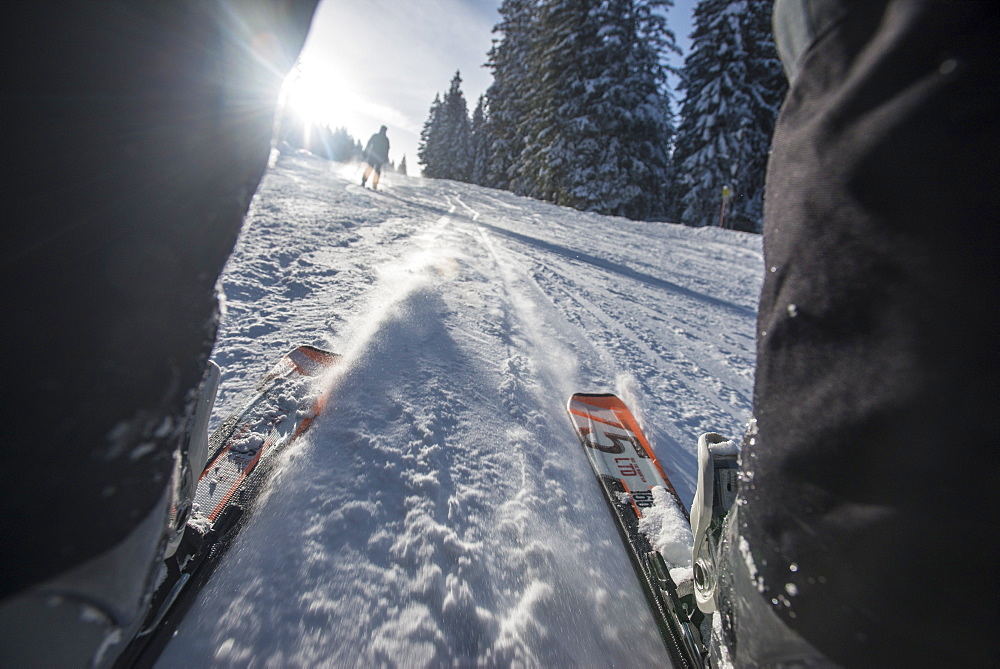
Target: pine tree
(733, 85)
(639, 113)
(343, 147)
(769, 87)
(429, 150)
(562, 36)
(710, 134)
(402, 166)
(512, 62)
(457, 132)
(480, 148)
(445, 146)
(598, 128)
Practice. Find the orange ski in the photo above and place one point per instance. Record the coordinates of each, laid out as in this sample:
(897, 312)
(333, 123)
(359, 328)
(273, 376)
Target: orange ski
(627, 471)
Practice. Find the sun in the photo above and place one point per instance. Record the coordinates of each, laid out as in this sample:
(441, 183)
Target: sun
(317, 93)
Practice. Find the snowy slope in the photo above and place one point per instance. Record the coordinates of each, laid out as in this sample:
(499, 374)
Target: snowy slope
(442, 511)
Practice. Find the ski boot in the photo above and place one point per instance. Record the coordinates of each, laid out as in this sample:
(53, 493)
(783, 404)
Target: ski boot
(744, 631)
(192, 461)
(87, 615)
(718, 471)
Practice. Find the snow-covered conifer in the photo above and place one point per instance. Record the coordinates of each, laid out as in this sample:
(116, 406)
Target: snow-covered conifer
(480, 144)
(343, 146)
(768, 91)
(732, 86)
(445, 142)
(598, 129)
(512, 61)
(429, 149)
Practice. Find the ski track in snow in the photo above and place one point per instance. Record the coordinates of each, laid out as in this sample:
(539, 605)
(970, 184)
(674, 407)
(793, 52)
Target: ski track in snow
(442, 511)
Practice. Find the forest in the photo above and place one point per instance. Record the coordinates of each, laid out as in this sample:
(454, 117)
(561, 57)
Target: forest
(581, 112)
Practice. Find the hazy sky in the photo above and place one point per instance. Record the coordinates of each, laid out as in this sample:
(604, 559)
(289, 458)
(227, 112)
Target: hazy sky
(380, 62)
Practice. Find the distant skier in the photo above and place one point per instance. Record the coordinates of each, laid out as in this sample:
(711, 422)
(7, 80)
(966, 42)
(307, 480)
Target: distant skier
(376, 154)
(863, 533)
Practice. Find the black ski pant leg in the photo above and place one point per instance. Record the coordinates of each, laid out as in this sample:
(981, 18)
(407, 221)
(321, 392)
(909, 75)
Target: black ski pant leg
(867, 504)
(135, 135)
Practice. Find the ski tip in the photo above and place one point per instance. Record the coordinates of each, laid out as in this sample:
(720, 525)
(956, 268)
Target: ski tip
(303, 360)
(311, 360)
(599, 400)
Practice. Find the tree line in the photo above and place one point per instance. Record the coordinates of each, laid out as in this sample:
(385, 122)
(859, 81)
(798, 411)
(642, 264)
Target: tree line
(580, 112)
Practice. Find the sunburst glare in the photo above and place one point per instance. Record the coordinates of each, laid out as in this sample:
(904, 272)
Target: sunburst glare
(318, 94)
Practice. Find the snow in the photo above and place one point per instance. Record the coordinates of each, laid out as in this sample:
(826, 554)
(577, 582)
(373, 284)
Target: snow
(668, 531)
(722, 448)
(441, 510)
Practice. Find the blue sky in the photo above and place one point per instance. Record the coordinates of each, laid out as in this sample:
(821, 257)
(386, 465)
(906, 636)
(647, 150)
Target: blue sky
(378, 62)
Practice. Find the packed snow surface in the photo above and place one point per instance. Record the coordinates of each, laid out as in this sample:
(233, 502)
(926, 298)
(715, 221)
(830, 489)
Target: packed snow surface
(441, 511)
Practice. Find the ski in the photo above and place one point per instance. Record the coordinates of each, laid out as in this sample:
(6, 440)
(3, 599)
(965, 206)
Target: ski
(241, 452)
(628, 471)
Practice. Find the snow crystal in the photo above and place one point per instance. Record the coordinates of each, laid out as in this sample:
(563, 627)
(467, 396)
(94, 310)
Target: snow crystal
(723, 448)
(142, 450)
(227, 652)
(164, 429)
(248, 443)
(681, 576)
(751, 566)
(91, 614)
(725, 660)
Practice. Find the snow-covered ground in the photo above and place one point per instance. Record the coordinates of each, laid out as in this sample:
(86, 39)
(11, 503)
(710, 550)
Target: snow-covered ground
(442, 511)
